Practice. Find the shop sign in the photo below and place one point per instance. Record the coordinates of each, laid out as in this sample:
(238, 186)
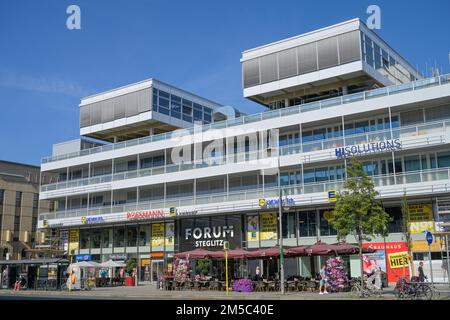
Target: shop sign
(91, 220)
(269, 203)
(371, 147)
(269, 226)
(145, 214)
(422, 246)
(186, 212)
(331, 195)
(118, 256)
(209, 236)
(170, 234)
(420, 218)
(74, 239)
(83, 257)
(396, 263)
(55, 225)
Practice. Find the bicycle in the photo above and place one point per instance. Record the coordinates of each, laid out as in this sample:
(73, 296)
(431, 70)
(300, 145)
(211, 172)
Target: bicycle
(414, 289)
(369, 289)
(88, 284)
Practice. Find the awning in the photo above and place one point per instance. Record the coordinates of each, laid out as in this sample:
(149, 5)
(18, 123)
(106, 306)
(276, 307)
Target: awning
(35, 261)
(199, 254)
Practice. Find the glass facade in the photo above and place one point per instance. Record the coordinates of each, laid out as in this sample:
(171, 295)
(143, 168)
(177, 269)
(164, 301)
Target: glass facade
(180, 108)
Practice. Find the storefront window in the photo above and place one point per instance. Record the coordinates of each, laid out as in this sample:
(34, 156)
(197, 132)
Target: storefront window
(253, 228)
(95, 238)
(396, 224)
(84, 238)
(106, 238)
(119, 237)
(307, 224)
(325, 228)
(131, 236)
(144, 235)
(289, 225)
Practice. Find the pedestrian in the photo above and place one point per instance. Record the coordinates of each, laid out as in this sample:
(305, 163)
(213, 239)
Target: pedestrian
(445, 268)
(258, 273)
(323, 280)
(422, 275)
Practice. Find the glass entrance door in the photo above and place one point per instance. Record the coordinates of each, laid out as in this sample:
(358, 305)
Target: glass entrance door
(156, 269)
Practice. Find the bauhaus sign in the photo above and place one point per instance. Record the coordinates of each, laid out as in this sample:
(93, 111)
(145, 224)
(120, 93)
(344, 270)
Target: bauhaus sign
(367, 148)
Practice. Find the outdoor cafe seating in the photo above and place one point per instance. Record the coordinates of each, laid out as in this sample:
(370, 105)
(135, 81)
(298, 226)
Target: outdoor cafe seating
(293, 283)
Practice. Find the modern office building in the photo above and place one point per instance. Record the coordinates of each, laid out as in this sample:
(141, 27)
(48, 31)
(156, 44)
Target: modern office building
(19, 205)
(177, 171)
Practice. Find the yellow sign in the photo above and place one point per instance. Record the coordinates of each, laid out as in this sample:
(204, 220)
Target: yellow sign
(252, 228)
(158, 235)
(420, 218)
(170, 234)
(398, 259)
(332, 195)
(328, 215)
(422, 246)
(74, 239)
(268, 226)
(172, 211)
(262, 202)
(145, 262)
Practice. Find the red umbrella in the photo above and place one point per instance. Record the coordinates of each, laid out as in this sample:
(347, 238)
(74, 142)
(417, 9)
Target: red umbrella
(267, 252)
(238, 254)
(348, 248)
(198, 254)
(297, 251)
(321, 249)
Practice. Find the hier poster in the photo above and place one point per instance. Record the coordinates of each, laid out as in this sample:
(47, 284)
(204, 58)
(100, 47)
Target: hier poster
(396, 264)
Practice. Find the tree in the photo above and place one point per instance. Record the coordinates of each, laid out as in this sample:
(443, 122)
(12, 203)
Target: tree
(357, 211)
(406, 231)
(131, 265)
(203, 266)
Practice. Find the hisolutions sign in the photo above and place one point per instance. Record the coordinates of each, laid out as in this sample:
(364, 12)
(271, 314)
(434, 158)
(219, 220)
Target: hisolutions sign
(367, 148)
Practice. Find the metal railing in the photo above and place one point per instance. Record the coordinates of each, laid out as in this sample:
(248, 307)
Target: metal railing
(253, 194)
(402, 132)
(322, 104)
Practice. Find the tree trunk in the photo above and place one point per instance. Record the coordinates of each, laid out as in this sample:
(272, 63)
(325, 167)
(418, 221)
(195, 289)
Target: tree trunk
(361, 259)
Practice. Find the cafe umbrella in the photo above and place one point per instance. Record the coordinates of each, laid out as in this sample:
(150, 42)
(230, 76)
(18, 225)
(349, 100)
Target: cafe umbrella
(198, 254)
(110, 264)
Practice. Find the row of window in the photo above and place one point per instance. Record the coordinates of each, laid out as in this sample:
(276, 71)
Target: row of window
(384, 62)
(303, 59)
(180, 108)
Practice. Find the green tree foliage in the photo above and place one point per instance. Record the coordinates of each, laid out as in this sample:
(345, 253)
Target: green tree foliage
(357, 211)
(131, 264)
(203, 266)
(406, 231)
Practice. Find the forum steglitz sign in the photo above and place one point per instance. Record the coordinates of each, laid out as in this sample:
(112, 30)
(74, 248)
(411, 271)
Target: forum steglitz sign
(367, 148)
(209, 236)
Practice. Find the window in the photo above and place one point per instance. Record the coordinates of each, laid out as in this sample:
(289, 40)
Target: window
(289, 225)
(396, 224)
(131, 236)
(198, 112)
(187, 110)
(35, 200)
(307, 58)
(175, 107)
(106, 235)
(85, 235)
(377, 56)
(307, 224)
(412, 163)
(144, 235)
(250, 70)
(208, 115)
(119, 237)
(95, 238)
(34, 221)
(18, 199)
(443, 159)
(17, 222)
(2, 193)
(287, 62)
(327, 52)
(269, 68)
(349, 47)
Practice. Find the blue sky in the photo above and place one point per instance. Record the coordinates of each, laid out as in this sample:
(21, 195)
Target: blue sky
(45, 68)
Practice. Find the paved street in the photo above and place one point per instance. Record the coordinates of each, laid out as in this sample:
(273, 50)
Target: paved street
(150, 292)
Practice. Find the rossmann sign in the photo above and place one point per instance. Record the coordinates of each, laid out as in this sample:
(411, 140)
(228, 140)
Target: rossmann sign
(367, 148)
(145, 214)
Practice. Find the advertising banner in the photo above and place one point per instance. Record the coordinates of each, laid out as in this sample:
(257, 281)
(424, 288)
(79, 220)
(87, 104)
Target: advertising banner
(74, 239)
(158, 236)
(252, 228)
(268, 226)
(396, 263)
(420, 217)
(170, 234)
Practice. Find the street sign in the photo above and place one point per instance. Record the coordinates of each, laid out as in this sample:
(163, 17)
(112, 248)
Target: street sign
(429, 237)
(331, 195)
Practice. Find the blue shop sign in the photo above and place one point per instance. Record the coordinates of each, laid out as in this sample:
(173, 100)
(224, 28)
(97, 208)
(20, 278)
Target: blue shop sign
(371, 147)
(83, 257)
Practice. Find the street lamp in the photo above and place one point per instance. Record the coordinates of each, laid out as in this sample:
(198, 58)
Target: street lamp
(280, 213)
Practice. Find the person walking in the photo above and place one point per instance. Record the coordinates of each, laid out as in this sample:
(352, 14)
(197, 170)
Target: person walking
(422, 275)
(323, 280)
(258, 273)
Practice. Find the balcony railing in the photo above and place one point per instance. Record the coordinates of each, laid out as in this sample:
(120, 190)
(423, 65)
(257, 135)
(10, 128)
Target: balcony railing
(417, 130)
(360, 96)
(253, 194)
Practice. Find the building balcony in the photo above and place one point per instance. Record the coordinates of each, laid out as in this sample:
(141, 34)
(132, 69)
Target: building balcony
(424, 182)
(269, 115)
(418, 136)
